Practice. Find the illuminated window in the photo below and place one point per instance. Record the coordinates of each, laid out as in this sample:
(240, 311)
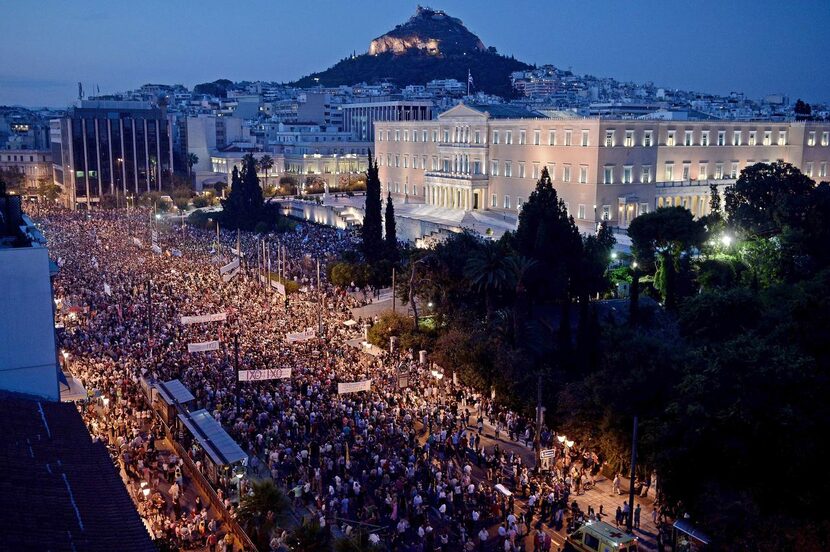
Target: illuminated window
(566, 173)
(669, 172)
(718, 171)
(608, 175)
(583, 174)
(687, 138)
(767, 137)
(825, 138)
(537, 136)
(552, 138)
(752, 138)
(535, 171)
(782, 137)
(508, 137)
(670, 138)
(736, 138)
(648, 138)
(704, 138)
(645, 174)
(522, 137)
(701, 172)
(507, 202)
(580, 213)
(494, 167)
(494, 201)
(721, 137)
(521, 169)
(495, 137)
(733, 172)
(609, 138)
(585, 142)
(606, 212)
(568, 135)
(508, 169)
(629, 138)
(686, 171)
(628, 170)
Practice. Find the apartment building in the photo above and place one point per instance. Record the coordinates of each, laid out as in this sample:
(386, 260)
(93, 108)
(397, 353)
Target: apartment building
(490, 157)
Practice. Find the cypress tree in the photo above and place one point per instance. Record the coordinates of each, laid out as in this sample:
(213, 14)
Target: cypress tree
(391, 235)
(243, 207)
(372, 231)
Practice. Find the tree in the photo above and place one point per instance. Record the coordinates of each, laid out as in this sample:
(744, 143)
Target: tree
(192, 159)
(266, 163)
(14, 179)
(548, 235)
(243, 207)
(488, 273)
(259, 510)
(391, 238)
(666, 233)
(48, 190)
(767, 197)
(372, 228)
(802, 110)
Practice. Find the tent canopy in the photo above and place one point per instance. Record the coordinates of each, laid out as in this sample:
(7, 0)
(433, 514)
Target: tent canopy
(221, 448)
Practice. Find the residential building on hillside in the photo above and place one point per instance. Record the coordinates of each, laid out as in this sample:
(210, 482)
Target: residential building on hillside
(485, 157)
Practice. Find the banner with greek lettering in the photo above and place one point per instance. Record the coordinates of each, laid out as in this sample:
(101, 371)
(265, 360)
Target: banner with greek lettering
(137, 242)
(230, 275)
(156, 249)
(233, 265)
(266, 374)
(202, 347)
(279, 286)
(218, 317)
(107, 289)
(155, 236)
(354, 387)
(301, 336)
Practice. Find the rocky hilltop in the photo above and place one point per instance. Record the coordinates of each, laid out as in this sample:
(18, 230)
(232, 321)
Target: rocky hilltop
(430, 45)
(430, 31)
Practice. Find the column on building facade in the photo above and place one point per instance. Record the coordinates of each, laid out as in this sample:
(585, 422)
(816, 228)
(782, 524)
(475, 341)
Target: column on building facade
(86, 161)
(135, 157)
(146, 156)
(98, 159)
(158, 154)
(109, 144)
(123, 156)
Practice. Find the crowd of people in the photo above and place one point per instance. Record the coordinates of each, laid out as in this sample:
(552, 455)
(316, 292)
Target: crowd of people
(420, 467)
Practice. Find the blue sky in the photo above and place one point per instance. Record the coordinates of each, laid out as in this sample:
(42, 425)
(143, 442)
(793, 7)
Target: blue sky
(758, 47)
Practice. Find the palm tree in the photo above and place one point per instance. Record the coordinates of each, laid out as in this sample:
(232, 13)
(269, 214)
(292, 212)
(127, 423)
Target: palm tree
(265, 164)
(259, 508)
(309, 537)
(518, 268)
(487, 271)
(192, 159)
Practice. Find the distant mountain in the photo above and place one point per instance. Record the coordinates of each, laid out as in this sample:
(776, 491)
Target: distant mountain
(431, 45)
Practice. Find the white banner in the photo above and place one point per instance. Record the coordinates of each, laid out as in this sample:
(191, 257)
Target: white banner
(175, 252)
(262, 375)
(218, 317)
(156, 249)
(230, 276)
(354, 387)
(233, 265)
(202, 347)
(155, 236)
(107, 289)
(301, 336)
(279, 286)
(137, 242)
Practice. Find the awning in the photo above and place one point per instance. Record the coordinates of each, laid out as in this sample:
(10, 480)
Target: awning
(349, 323)
(73, 390)
(174, 391)
(686, 527)
(222, 449)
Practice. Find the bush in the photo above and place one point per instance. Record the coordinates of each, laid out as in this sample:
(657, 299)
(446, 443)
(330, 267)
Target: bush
(201, 219)
(201, 201)
(396, 324)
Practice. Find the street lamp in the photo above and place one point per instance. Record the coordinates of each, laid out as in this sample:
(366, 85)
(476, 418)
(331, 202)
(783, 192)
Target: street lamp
(726, 240)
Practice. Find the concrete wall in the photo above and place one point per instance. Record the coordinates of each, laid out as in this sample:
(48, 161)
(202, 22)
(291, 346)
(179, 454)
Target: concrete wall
(28, 360)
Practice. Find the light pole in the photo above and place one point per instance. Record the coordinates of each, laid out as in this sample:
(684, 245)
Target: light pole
(630, 520)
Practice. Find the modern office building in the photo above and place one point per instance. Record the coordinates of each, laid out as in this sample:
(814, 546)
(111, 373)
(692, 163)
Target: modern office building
(111, 147)
(359, 118)
(490, 157)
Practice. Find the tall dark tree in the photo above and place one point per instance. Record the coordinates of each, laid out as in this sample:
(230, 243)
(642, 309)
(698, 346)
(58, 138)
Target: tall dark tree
(768, 197)
(372, 231)
(243, 207)
(391, 237)
(547, 234)
(662, 236)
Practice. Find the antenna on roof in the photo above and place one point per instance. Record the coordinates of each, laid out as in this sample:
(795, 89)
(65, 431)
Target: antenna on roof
(80, 91)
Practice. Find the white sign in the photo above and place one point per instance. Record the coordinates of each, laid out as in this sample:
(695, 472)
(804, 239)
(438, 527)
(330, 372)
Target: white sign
(230, 275)
(155, 236)
(202, 347)
(156, 249)
(349, 323)
(107, 289)
(547, 453)
(262, 375)
(218, 317)
(301, 336)
(503, 490)
(279, 286)
(175, 252)
(137, 242)
(233, 265)
(354, 387)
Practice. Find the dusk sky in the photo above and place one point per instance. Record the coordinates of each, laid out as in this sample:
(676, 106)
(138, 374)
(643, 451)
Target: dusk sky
(758, 47)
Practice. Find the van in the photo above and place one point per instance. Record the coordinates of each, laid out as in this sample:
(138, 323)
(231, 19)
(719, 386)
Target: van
(598, 536)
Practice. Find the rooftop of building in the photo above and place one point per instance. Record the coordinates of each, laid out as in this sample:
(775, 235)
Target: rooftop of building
(60, 490)
(508, 111)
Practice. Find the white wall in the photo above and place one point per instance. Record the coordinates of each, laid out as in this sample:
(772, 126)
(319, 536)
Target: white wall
(28, 362)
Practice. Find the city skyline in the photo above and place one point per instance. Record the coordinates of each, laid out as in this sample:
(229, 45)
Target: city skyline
(279, 42)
